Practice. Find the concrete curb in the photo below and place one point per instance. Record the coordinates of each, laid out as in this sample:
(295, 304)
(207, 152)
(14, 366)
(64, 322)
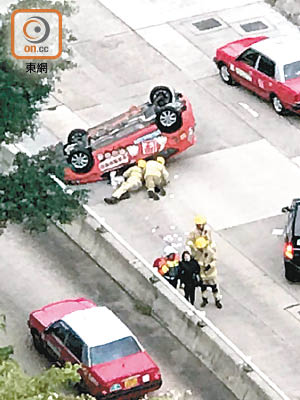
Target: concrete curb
(173, 313)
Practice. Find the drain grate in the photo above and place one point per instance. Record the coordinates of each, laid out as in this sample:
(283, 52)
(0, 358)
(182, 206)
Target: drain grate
(254, 26)
(206, 24)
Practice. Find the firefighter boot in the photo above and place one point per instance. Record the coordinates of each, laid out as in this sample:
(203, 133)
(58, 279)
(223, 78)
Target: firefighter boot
(219, 304)
(153, 195)
(204, 302)
(111, 200)
(162, 191)
(124, 196)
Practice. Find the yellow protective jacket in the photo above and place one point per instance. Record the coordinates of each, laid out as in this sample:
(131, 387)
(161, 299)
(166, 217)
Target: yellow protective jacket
(206, 257)
(154, 168)
(134, 172)
(196, 233)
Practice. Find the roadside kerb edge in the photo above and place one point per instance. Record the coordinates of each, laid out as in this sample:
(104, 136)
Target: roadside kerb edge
(189, 325)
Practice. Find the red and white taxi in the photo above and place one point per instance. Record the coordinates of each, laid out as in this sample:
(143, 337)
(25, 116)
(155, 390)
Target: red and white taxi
(164, 126)
(270, 67)
(114, 365)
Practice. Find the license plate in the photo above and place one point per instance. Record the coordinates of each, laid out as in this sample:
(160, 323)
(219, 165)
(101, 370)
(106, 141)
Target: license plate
(131, 382)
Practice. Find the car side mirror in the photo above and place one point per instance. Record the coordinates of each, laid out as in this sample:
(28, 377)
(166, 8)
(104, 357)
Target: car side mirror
(285, 209)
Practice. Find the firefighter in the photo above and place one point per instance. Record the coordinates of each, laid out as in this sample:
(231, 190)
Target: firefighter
(168, 266)
(156, 177)
(205, 253)
(201, 230)
(133, 181)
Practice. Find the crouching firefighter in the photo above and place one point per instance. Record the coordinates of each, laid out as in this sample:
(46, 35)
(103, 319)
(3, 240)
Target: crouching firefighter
(134, 177)
(205, 253)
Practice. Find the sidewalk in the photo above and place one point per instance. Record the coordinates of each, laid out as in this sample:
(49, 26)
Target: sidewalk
(113, 73)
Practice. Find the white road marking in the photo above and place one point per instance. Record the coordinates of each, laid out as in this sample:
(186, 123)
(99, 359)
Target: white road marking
(249, 109)
(277, 232)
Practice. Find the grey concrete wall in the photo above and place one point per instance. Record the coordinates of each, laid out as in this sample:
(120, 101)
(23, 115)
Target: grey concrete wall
(172, 311)
(289, 8)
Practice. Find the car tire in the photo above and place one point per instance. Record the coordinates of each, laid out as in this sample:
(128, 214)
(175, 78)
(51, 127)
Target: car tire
(289, 274)
(168, 119)
(81, 160)
(77, 136)
(161, 96)
(37, 341)
(225, 74)
(277, 105)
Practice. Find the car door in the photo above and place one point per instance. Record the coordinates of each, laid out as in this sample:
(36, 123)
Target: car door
(73, 348)
(264, 77)
(55, 337)
(243, 68)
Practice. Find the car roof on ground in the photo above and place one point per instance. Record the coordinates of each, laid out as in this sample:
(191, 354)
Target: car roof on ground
(97, 326)
(281, 49)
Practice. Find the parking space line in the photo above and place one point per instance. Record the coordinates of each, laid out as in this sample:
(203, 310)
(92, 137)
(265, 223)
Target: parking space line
(249, 109)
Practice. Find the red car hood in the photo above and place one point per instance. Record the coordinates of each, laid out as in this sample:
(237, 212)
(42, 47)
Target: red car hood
(293, 84)
(55, 311)
(234, 49)
(135, 364)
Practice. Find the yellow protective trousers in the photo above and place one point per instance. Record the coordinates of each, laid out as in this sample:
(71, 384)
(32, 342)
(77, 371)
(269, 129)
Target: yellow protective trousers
(131, 184)
(152, 181)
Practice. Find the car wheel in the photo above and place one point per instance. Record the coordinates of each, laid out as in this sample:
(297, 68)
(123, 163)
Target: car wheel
(277, 105)
(168, 120)
(225, 74)
(161, 96)
(81, 160)
(76, 135)
(37, 341)
(289, 274)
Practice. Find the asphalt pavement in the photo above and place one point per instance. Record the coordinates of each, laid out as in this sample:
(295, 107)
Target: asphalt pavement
(240, 173)
(50, 267)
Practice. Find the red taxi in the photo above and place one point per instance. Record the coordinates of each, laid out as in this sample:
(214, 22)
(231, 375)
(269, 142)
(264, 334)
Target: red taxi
(270, 67)
(164, 126)
(114, 365)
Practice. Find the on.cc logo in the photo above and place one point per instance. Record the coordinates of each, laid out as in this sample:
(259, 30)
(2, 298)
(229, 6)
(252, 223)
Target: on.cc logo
(36, 29)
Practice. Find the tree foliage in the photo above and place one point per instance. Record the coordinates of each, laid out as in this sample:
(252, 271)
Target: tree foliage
(15, 384)
(21, 94)
(29, 195)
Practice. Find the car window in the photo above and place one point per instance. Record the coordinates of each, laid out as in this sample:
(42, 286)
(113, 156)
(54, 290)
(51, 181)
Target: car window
(60, 330)
(266, 66)
(291, 71)
(249, 57)
(114, 350)
(75, 345)
(297, 222)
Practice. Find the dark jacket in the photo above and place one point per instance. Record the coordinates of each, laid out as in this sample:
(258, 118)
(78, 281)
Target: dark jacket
(189, 272)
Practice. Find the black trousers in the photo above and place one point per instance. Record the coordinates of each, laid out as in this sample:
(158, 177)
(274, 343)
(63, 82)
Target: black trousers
(189, 292)
(172, 282)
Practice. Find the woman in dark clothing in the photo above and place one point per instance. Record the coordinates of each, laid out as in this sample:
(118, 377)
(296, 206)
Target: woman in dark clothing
(189, 271)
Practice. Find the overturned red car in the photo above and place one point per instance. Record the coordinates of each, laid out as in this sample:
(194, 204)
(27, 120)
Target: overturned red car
(164, 126)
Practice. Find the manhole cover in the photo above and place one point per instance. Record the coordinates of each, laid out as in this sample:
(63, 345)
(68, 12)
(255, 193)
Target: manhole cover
(254, 26)
(207, 24)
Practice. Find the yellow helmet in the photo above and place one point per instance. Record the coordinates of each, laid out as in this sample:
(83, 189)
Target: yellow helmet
(200, 220)
(160, 160)
(201, 242)
(141, 163)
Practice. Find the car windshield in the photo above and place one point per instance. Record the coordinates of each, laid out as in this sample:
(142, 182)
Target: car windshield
(292, 71)
(114, 350)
